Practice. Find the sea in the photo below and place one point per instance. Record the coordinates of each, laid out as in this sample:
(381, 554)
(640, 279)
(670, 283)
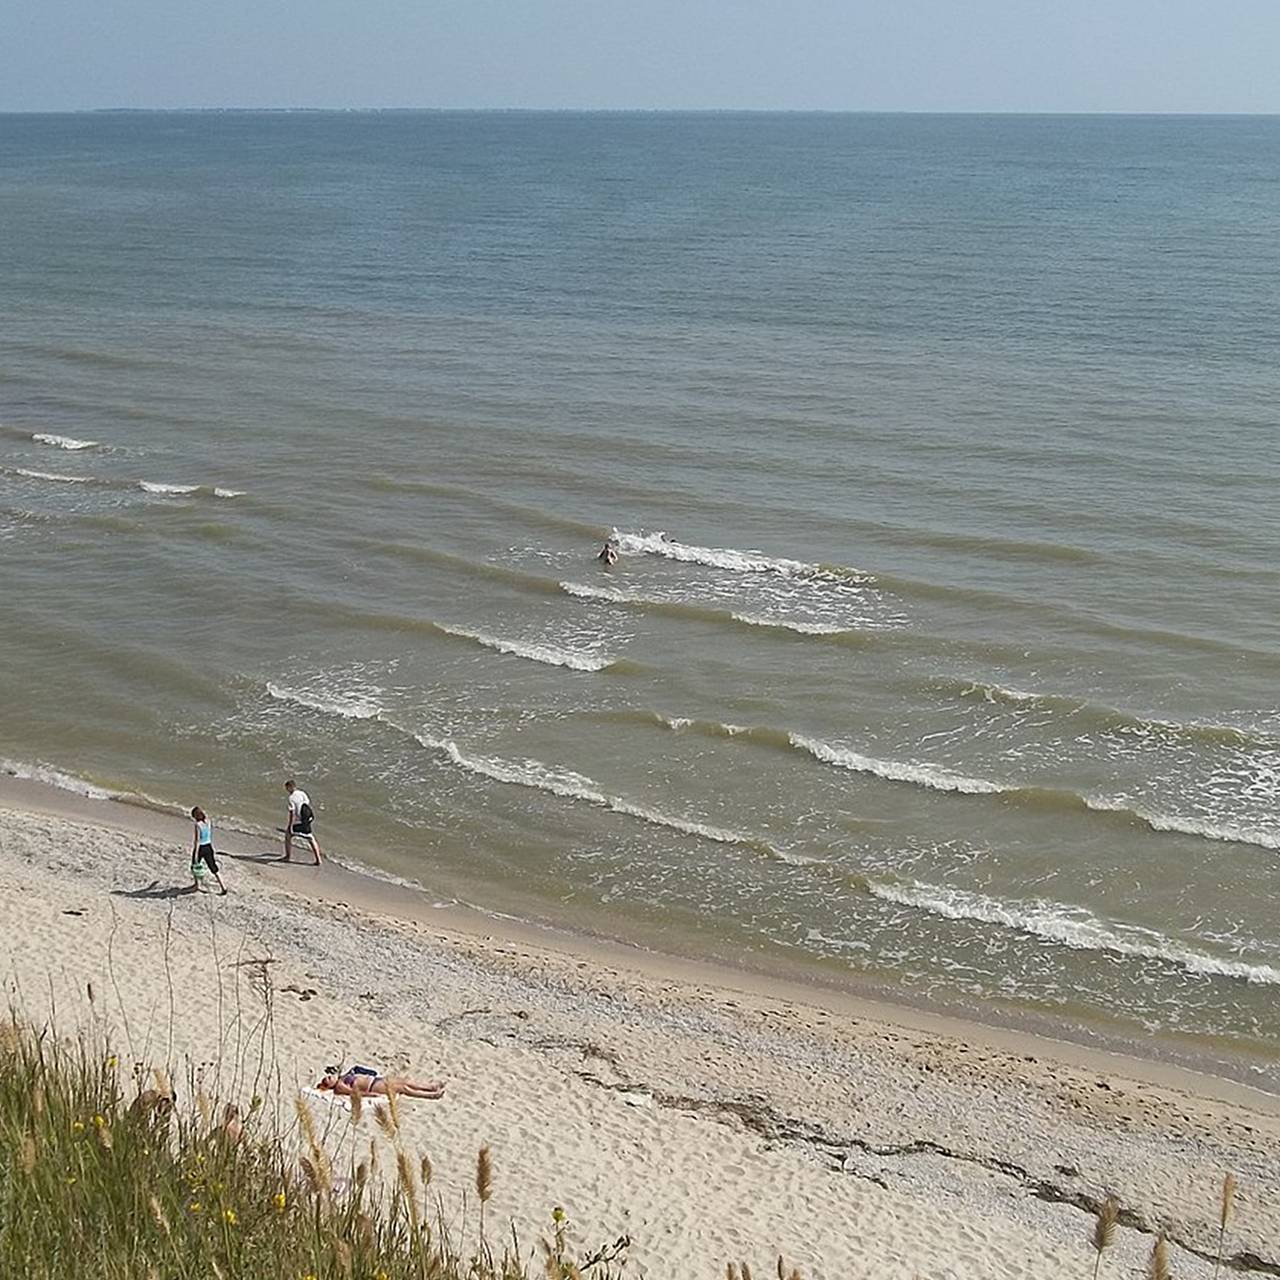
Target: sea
(941, 453)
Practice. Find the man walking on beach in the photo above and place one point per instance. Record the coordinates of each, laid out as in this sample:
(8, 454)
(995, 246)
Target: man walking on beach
(298, 821)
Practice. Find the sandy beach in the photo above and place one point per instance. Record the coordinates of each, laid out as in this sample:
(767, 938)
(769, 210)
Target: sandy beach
(708, 1114)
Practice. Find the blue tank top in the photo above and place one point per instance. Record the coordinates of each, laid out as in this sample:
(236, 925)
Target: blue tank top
(204, 832)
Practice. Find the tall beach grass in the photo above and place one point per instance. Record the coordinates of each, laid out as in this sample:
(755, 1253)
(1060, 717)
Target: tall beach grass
(104, 1178)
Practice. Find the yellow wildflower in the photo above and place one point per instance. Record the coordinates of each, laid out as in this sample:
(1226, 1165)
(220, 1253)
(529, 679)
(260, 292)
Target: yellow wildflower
(113, 1061)
(230, 1216)
(99, 1121)
(280, 1200)
(77, 1126)
(194, 1206)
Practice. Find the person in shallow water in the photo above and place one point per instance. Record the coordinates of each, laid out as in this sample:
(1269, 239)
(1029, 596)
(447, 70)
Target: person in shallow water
(298, 821)
(202, 854)
(608, 554)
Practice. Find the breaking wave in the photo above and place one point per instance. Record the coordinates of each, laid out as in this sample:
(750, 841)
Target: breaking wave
(576, 786)
(170, 490)
(52, 476)
(924, 775)
(63, 442)
(735, 561)
(1206, 828)
(359, 705)
(693, 611)
(937, 778)
(49, 776)
(1107, 718)
(548, 654)
(147, 486)
(1072, 927)
(565, 783)
(52, 777)
(790, 624)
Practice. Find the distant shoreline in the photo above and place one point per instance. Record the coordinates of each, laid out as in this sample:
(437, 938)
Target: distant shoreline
(648, 111)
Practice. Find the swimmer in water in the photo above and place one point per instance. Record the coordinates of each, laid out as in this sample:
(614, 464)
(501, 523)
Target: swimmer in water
(608, 555)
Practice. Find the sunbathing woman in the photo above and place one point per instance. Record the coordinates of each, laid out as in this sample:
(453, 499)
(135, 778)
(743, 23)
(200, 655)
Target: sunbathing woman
(365, 1085)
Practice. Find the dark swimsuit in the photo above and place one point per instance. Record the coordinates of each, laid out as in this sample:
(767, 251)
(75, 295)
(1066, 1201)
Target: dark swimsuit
(352, 1076)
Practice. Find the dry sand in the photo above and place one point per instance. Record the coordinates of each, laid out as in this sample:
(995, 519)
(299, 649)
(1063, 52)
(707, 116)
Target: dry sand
(707, 1114)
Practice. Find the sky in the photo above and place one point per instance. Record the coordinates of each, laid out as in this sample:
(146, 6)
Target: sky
(833, 55)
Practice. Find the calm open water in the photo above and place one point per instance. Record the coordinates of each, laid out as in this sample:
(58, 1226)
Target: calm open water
(956, 668)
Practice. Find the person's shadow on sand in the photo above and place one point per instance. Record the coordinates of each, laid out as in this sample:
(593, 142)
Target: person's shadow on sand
(155, 890)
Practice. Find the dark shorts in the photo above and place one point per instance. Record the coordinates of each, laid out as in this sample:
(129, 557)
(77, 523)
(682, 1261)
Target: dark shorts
(205, 854)
(300, 829)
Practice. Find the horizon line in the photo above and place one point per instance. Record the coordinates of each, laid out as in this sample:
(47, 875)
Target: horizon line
(673, 111)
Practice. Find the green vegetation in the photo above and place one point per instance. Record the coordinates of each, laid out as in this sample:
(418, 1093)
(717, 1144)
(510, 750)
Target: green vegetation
(101, 1183)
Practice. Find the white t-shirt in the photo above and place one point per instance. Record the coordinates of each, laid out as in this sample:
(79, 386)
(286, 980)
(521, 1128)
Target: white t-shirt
(297, 798)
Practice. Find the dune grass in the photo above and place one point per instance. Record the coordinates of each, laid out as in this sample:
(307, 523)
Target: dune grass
(105, 1177)
(106, 1182)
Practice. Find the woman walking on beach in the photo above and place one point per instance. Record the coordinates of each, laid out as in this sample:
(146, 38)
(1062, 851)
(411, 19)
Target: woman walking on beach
(202, 849)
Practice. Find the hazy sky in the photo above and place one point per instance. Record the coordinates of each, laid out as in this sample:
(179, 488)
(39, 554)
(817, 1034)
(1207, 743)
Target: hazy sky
(913, 55)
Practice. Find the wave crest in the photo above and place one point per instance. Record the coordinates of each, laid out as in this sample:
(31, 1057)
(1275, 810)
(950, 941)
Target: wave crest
(350, 706)
(937, 778)
(168, 490)
(924, 775)
(688, 610)
(1072, 927)
(576, 786)
(730, 558)
(548, 654)
(69, 443)
(790, 624)
(54, 477)
(1110, 718)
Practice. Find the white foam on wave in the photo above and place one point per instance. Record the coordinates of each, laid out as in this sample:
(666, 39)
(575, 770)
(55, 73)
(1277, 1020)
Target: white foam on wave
(361, 705)
(657, 544)
(678, 724)
(924, 775)
(151, 486)
(790, 624)
(550, 655)
(1072, 927)
(52, 777)
(995, 693)
(63, 442)
(574, 786)
(610, 594)
(1204, 827)
(53, 476)
(228, 493)
(937, 778)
